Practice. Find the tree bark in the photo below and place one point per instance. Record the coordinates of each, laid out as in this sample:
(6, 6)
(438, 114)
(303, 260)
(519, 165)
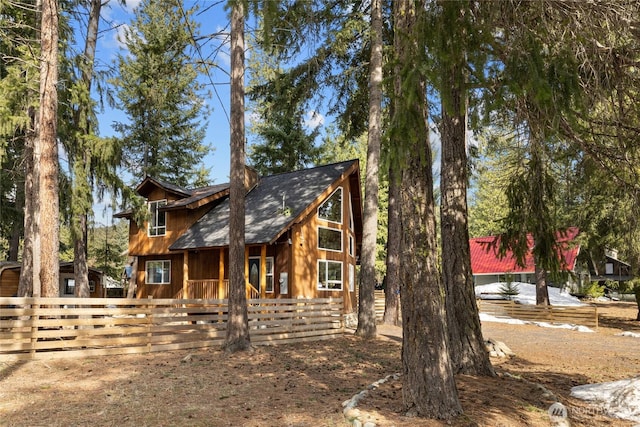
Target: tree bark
(392, 282)
(29, 282)
(636, 291)
(18, 227)
(48, 219)
(428, 388)
(366, 312)
(237, 337)
(133, 280)
(466, 344)
(428, 383)
(82, 185)
(542, 292)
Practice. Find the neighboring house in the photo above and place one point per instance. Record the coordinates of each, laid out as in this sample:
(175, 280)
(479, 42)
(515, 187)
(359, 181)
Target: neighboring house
(10, 275)
(610, 268)
(488, 267)
(303, 232)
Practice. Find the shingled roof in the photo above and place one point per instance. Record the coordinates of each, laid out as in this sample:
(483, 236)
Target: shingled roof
(264, 218)
(485, 260)
(189, 198)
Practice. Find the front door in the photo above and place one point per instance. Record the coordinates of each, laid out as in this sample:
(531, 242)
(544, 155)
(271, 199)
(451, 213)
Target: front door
(254, 272)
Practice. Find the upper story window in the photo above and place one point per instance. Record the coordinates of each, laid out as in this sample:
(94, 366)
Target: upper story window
(158, 220)
(331, 209)
(330, 239)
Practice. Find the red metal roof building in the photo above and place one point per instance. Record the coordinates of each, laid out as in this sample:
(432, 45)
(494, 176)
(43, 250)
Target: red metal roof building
(487, 267)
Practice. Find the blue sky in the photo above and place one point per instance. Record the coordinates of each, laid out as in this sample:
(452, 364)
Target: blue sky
(213, 18)
(214, 21)
(115, 18)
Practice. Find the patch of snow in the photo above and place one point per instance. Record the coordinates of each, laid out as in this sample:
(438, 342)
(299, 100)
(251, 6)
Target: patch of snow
(527, 294)
(620, 399)
(629, 334)
(489, 318)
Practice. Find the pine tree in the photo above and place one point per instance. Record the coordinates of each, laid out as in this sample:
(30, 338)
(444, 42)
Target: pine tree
(19, 80)
(366, 306)
(45, 154)
(158, 89)
(282, 143)
(237, 334)
(428, 383)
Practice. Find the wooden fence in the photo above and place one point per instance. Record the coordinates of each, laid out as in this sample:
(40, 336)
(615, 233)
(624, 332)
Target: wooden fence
(43, 328)
(577, 315)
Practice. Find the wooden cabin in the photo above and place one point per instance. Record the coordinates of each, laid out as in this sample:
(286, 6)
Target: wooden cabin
(10, 275)
(303, 232)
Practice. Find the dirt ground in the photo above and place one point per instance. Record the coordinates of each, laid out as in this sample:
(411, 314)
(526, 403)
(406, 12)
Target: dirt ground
(305, 384)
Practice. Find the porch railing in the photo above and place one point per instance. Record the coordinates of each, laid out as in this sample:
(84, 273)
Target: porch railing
(213, 289)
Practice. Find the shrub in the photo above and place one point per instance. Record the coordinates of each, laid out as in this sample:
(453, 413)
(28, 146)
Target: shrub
(593, 290)
(509, 290)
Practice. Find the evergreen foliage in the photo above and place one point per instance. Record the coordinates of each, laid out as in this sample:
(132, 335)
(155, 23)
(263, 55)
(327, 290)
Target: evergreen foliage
(158, 89)
(509, 289)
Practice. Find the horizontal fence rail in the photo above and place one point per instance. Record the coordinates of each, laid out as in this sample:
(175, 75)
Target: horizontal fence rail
(43, 328)
(577, 315)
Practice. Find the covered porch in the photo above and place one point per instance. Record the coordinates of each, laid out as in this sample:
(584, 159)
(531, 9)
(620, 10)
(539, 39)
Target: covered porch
(205, 273)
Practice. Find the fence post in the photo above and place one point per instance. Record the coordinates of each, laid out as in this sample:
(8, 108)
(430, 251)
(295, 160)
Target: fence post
(149, 313)
(34, 327)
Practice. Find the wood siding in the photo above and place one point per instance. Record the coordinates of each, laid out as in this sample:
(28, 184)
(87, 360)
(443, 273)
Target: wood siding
(169, 290)
(295, 252)
(9, 278)
(9, 282)
(177, 222)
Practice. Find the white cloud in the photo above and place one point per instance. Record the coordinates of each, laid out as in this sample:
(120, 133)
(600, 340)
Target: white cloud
(222, 55)
(313, 119)
(120, 36)
(132, 5)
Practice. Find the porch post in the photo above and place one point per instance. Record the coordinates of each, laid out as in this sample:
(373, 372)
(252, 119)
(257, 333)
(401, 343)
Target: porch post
(221, 289)
(263, 271)
(246, 268)
(185, 274)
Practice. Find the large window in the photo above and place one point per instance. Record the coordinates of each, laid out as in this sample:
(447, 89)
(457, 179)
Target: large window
(158, 272)
(330, 239)
(158, 219)
(329, 275)
(70, 286)
(331, 209)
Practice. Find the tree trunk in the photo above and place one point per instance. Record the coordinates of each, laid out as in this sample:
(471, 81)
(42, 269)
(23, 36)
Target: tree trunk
(636, 291)
(428, 388)
(392, 281)
(133, 280)
(428, 383)
(367, 313)
(237, 338)
(80, 268)
(466, 344)
(29, 282)
(542, 292)
(82, 160)
(48, 219)
(17, 228)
